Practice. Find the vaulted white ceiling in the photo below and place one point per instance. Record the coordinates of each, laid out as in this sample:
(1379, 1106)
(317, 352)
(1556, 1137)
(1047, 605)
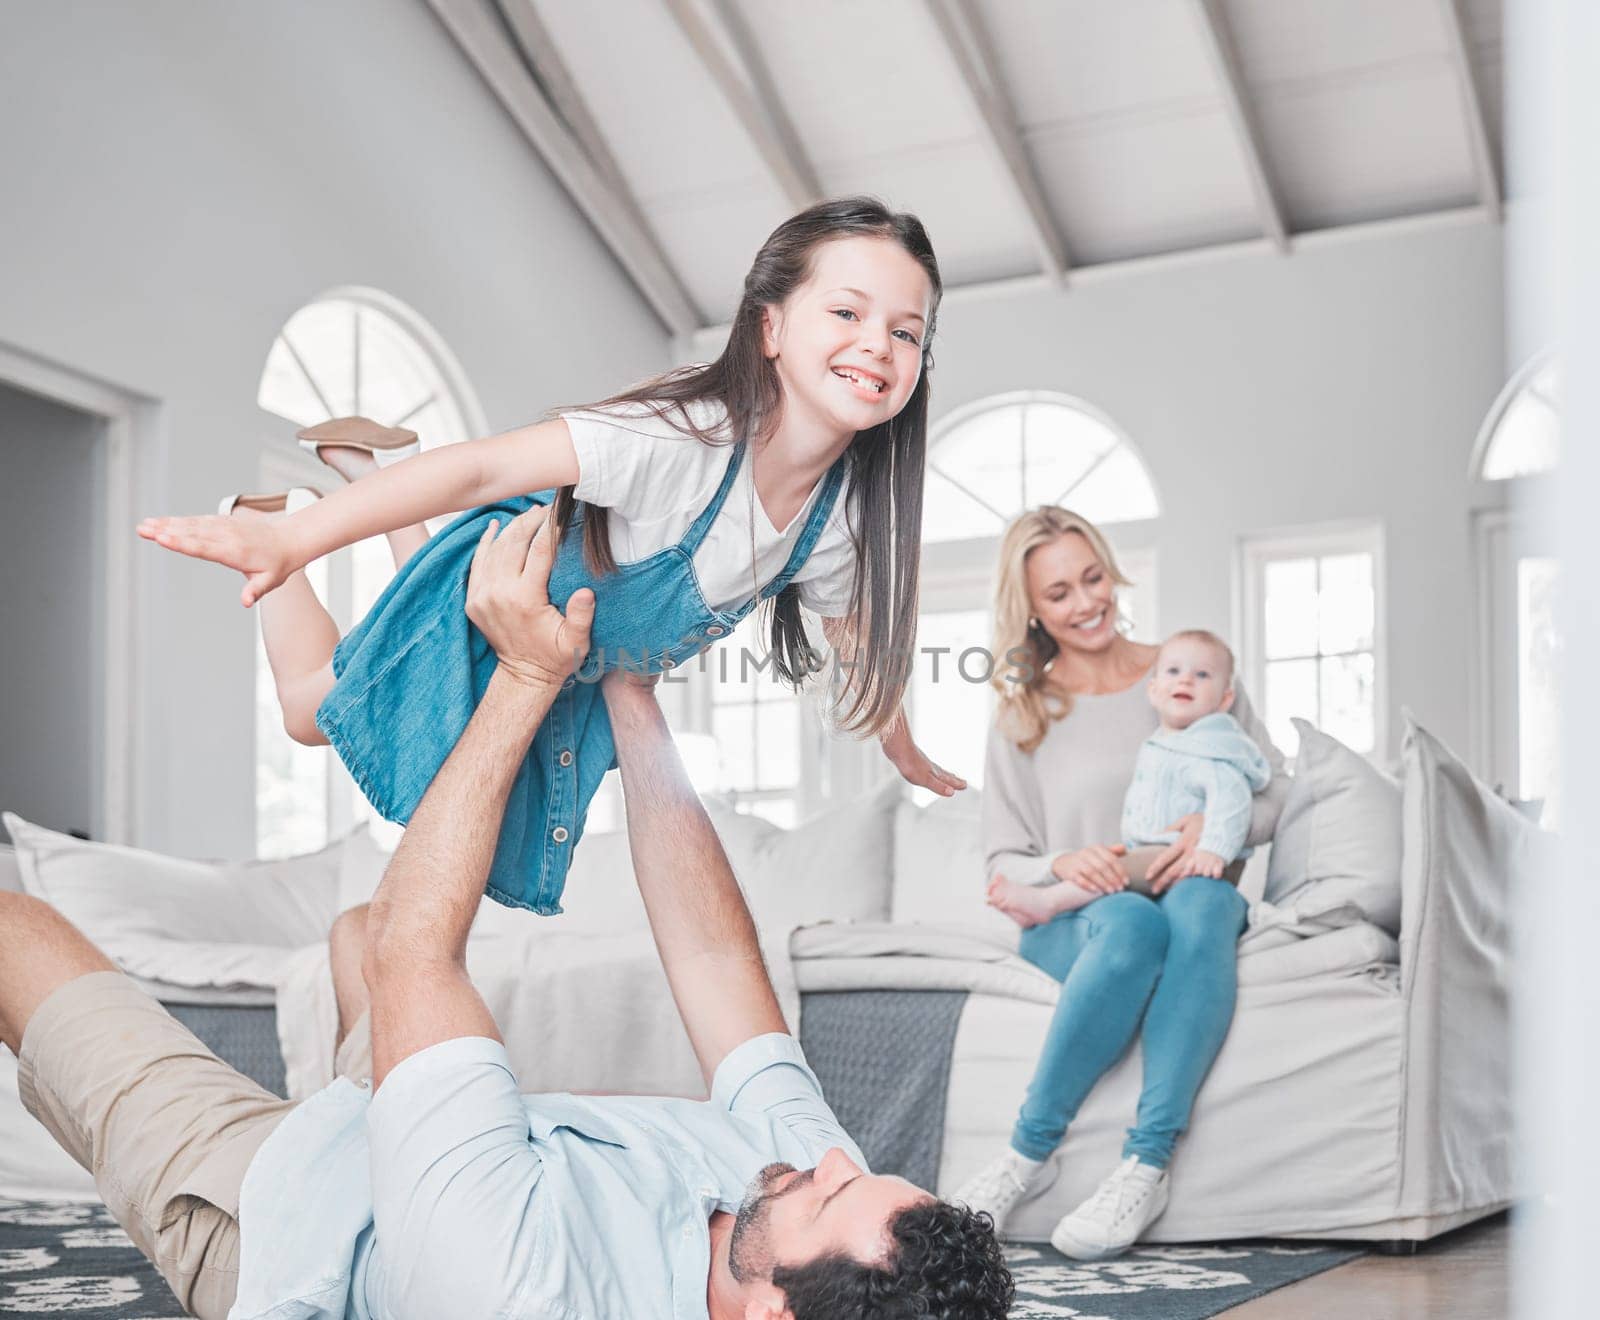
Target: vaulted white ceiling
(1033, 137)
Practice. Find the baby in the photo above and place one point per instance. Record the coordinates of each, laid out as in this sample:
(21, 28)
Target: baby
(1199, 761)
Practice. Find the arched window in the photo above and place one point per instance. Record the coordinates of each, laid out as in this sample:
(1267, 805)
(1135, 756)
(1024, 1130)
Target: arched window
(354, 352)
(358, 352)
(995, 458)
(1521, 435)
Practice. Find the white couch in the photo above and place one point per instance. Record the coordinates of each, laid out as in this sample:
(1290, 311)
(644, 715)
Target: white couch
(1363, 1092)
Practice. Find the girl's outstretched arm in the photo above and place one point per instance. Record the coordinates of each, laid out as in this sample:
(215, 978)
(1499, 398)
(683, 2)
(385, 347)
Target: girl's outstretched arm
(896, 740)
(443, 480)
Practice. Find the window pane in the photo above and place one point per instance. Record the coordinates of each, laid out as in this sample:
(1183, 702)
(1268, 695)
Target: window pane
(949, 711)
(984, 456)
(1118, 490)
(1527, 439)
(1348, 712)
(285, 391)
(1291, 608)
(734, 729)
(950, 514)
(777, 749)
(1291, 691)
(1062, 446)
(1538, 708)
(1346, 603)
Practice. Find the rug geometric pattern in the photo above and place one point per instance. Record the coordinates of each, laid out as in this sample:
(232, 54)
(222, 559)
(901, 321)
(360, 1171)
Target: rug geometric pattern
(1173, 1283)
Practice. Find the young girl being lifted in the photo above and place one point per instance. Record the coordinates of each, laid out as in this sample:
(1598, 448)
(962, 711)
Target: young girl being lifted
(788, 471)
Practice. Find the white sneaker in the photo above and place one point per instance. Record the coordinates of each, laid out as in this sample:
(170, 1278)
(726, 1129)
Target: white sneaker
(1006, 1180)
(1111, 1220)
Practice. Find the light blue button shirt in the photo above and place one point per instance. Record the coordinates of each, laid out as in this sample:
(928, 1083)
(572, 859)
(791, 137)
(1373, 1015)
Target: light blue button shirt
(448, 1193)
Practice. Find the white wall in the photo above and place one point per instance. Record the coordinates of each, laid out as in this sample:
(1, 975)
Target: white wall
(179, 178)
(1345, 381)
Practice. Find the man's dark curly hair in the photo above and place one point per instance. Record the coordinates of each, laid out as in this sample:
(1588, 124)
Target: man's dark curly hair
(944, 1264)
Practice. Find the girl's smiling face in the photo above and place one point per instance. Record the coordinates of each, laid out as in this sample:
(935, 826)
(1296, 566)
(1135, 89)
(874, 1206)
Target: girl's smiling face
(848, 343)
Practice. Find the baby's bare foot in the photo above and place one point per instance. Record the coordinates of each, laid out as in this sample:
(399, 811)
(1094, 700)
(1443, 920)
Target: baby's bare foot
(351, 464)
(1027, 905)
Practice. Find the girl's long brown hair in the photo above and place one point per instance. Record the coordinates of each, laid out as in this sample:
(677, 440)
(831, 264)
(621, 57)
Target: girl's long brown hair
(884, 465)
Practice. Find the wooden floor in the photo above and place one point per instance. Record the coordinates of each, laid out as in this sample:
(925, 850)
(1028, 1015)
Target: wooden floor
(1463, 1275)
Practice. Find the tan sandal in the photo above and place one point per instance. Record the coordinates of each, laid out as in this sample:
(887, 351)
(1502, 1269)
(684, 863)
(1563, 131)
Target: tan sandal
(386, 444)
(283, 501)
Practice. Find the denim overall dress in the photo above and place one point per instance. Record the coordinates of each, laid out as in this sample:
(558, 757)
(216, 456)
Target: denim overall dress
(410, 674)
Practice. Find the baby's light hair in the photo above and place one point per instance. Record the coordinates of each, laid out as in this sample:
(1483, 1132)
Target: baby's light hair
(1208, 639)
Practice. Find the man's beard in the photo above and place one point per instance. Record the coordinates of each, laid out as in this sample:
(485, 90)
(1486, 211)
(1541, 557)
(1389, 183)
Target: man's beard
(750, 1253)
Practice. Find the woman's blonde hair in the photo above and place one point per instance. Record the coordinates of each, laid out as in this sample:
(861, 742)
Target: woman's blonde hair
(1022, 648)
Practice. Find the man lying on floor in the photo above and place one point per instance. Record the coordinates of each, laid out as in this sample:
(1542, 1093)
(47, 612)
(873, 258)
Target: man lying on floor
(436, 1190)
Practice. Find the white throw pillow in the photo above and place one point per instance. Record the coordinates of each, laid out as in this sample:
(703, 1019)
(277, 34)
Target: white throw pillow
(939, 868)
(361, 866)
(1338, 841)
(834, 867)
(126, 897)
(10, 872)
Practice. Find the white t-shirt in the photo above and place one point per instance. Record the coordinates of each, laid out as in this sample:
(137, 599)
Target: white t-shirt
(657, 481)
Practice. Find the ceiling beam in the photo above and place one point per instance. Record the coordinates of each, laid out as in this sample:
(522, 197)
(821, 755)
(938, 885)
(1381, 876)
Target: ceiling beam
(1483, 157)
(961, 28)
(539, 50)
(1230, 81)
(479, 32)
(754, 102)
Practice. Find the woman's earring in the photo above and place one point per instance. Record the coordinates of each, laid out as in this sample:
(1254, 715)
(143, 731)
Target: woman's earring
(1033, 621)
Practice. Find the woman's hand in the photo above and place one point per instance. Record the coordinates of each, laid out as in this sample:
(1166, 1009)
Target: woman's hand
(263, 549)
(913, 764)
(1097, 868)
(1169, 864)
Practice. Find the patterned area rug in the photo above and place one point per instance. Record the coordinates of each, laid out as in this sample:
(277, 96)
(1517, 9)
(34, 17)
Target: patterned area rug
(1172, 1283)
(58, 1259)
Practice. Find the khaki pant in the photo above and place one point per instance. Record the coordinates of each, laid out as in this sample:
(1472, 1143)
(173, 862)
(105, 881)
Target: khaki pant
(166, 1128)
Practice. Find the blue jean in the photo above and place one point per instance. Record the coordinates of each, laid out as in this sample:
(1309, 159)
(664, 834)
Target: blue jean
(1122, 959)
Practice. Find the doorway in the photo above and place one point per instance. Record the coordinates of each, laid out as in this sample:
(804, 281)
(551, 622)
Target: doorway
(52, 613)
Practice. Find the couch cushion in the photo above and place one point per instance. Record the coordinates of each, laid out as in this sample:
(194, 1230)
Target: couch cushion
(124, 898)
(1338, 839)
(939, 871)
(833, 867)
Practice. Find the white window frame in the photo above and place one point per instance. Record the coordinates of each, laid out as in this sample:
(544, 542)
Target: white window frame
(687, 698)
(1318, 541)
(284, 464)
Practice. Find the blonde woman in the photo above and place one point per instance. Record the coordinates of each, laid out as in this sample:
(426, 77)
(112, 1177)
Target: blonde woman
(1071, 720)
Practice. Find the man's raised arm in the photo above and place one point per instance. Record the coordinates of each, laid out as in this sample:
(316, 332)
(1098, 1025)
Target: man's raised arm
(702, 925)
(415, 958)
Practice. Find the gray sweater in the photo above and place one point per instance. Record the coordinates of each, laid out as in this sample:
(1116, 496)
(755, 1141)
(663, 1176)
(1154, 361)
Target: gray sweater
(1067, 793)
